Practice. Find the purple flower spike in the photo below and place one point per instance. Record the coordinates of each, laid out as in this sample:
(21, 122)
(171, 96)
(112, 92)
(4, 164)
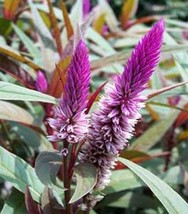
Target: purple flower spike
(70, 121)
(41, 82)
(112, 124)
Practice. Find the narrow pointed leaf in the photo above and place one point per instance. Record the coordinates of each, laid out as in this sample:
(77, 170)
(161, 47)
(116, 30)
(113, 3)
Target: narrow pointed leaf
(99, 23)
(93, 97)
(167, 196)
(41, 28)
(182, 117)
(86, 178)
(110, 17)
(76, 13)
(9, 91)
(58, 80)
(29, 44)
(55, 28)
(162, 90)
(19, 58)
(67, 21)
(124, 55)
(128, 10)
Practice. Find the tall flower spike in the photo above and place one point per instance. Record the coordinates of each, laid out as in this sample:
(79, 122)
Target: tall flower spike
(70, 122)
(112, 124)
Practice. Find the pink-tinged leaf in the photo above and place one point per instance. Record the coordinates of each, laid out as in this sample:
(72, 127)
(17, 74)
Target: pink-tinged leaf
(93, 97)
(56, 86)
(10, 8)
(141, 20)
(31, 205)
(160, 91)
(19, 58)
(182, 117)
(10, 67)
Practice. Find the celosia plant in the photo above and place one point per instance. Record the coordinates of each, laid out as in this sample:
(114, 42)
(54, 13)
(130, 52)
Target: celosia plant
(112, 124)
(68, 147)
(101, 137)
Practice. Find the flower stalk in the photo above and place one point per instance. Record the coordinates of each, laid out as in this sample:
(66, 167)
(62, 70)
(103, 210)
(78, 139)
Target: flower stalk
(112, 124)
(101, 139)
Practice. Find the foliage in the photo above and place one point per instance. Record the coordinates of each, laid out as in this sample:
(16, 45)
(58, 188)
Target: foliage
(39, 176)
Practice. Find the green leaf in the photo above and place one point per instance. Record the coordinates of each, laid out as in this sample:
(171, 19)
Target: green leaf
(29, 44)
(118, 183)
(76, 13)
(15, 204)
(135, 199)
(9, 91)
(180, 58)
(86, 177)
(47, 165)
(104, 46)
(51, 201)
(110, 16)
(9, 111)
(173, 203)
(37, 141)
(41, 28)
(154, 134)
(19, 173)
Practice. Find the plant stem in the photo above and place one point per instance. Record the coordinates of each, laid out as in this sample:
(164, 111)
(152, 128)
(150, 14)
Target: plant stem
(72, 160)
(68, 206)
(87, 211)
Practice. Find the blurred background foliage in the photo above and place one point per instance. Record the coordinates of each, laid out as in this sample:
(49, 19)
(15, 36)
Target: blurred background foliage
(30, 41)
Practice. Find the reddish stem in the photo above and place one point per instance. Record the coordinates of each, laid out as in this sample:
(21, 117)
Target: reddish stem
(68, 206)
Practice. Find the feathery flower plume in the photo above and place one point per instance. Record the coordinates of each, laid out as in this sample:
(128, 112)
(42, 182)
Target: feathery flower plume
(41, 82)
(112, 124)
(70, 122)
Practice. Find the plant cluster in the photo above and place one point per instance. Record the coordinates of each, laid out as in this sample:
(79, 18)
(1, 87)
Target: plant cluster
(81, 107)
